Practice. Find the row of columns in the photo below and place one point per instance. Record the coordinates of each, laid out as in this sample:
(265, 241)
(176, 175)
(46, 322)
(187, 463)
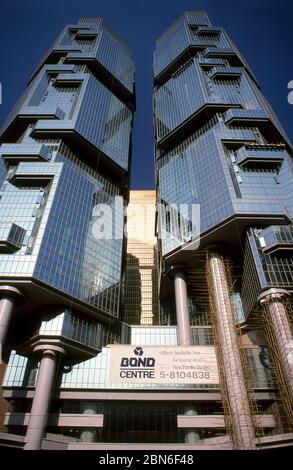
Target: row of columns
(242, 422)
(241, 418)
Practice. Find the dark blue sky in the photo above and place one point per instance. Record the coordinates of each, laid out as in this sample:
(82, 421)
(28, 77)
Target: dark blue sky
(262, 30)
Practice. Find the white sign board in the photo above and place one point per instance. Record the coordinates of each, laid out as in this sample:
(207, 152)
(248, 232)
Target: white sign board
(163, 365)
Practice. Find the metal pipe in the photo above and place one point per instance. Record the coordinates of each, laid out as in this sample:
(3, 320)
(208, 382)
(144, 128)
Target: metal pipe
(182, 312)
(241, 419)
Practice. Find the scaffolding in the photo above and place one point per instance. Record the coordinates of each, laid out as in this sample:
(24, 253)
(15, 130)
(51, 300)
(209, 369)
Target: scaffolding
(240, 407)
(260, 389)
(285, 397)
(281, 405)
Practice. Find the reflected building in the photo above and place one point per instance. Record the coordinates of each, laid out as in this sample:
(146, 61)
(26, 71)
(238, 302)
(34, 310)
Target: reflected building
(141, 305)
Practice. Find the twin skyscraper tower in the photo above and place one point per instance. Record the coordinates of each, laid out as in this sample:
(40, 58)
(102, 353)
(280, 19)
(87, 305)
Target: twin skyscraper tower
(210, 292)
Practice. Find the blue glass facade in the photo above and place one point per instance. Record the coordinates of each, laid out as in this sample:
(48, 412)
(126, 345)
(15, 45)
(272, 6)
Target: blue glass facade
(65, 149)
(219, 144)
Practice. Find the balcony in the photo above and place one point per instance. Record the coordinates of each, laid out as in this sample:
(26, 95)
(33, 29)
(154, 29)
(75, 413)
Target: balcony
(34, 175)
(261, 156)
(225, 72)
(205, 40)
(218, 421)
(224, 52)
(204, 62)
(235, 137)
(276, 238)
(210, 30)
(63, 420)
(15, 153)
(41, 112)
(240, 116)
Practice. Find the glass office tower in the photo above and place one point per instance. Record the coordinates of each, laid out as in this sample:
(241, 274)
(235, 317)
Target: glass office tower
(221, 268)
(66, 149)
(220, 149)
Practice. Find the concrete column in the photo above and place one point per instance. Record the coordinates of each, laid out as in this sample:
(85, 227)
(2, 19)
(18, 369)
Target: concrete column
(42, 395)
(9, 297)
(273, 303)
(89, 434)
(182, 313)
(191, 435)
(241, 419)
